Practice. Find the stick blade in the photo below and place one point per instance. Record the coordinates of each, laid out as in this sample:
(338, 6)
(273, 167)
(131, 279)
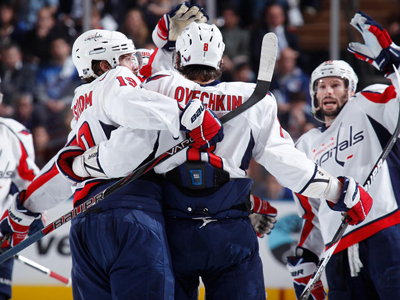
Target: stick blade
(269, 52)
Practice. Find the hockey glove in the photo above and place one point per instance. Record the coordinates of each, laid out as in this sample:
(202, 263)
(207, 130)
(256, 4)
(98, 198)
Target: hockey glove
(172, 24)
(379, 49)
(15, 222)
(202, 124)
(263, 217)
(64, 162)
(301, 267)
(354, 200)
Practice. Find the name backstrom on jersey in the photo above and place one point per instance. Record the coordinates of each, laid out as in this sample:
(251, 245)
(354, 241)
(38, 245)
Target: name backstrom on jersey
(83, 102)
(210, 100)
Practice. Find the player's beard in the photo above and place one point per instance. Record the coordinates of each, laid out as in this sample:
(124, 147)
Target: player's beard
(340, 104)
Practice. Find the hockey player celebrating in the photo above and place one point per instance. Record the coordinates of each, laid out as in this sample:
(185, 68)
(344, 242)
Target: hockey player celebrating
(122, 239)
(17, 170)
(206, 191)
(356, 128)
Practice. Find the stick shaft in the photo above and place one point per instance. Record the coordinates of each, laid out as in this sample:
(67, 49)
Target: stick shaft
(268, 57)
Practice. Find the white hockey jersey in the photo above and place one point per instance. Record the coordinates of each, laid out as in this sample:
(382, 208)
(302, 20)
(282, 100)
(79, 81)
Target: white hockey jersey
(254, 133)
(351, 146)
(17, 160)
(113, 100)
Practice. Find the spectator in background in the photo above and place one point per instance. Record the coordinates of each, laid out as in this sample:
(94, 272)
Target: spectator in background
(17, 76)
(8, 30)
(27, 112)
(298, 119)
(56, 83)
(43, 150)
(289, 78)
(273, 20)
(243, 72)
(236, 38)
(135, 28)
(36, 43)
(27, 11)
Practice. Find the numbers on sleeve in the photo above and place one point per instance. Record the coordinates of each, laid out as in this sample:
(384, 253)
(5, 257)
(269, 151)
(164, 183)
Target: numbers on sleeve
(85, 137)
(124, 81)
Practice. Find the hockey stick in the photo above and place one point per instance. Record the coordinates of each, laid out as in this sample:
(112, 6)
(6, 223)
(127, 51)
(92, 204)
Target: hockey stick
(267, 63)
(345, 222)
(42, 269)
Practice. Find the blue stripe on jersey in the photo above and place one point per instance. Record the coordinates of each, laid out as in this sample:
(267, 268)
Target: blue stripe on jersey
(155, 77)
(107, 128)
(393, 159)
(244, 165)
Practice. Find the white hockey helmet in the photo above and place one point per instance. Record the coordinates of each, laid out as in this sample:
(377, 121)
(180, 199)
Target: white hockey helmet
(200, 44)
(145, 53)
(99, 44)
(331, 68)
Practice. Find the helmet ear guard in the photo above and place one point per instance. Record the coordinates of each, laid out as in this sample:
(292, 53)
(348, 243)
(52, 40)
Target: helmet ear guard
(99, 44)
(331, 68)
(200, 44)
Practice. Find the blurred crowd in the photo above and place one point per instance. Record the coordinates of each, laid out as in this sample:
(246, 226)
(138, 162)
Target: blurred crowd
(38, 77)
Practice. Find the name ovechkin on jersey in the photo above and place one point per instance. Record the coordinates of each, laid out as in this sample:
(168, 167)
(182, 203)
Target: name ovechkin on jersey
(210, 100)
(332, 150)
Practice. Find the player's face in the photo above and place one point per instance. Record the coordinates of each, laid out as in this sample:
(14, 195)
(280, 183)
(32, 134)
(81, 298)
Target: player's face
(332, 94)
(130, 61)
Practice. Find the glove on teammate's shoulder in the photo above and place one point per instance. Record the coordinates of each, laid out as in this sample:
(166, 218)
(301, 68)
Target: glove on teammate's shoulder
(202, 124)
(263, 217)
(171, 25)
(379, 49)
(15, 222)
(301, 267)
(354, 200)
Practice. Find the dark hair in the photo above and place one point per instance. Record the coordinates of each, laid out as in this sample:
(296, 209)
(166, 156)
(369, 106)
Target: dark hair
(96, 70)
(198, 72)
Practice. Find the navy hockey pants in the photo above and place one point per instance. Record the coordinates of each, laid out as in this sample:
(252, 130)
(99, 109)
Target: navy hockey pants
(120, 253)
(379, 277)
(6, 270)
(224, 253)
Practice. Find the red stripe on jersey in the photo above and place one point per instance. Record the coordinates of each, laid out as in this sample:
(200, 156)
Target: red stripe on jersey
(23, 169)
(145, 71)
(366, 231)
(82, 193)
(385, 97)
(305, 232)
(41, 180)
(308, 215)
(215, 160)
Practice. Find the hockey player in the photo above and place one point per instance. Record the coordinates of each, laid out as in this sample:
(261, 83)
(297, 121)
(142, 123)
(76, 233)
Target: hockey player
(17, 170)
(355, 129)
(206, 192)
(122, 239)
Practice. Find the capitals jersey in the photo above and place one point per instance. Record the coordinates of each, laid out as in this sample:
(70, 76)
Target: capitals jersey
(351, 146)
(113, 100)
(254, 133)
(17, 160)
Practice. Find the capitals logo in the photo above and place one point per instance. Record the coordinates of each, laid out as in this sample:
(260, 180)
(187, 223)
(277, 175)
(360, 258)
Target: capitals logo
(187, 59)
(335, 148)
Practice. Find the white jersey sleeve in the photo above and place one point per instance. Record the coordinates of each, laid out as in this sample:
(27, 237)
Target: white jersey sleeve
(17, 160)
